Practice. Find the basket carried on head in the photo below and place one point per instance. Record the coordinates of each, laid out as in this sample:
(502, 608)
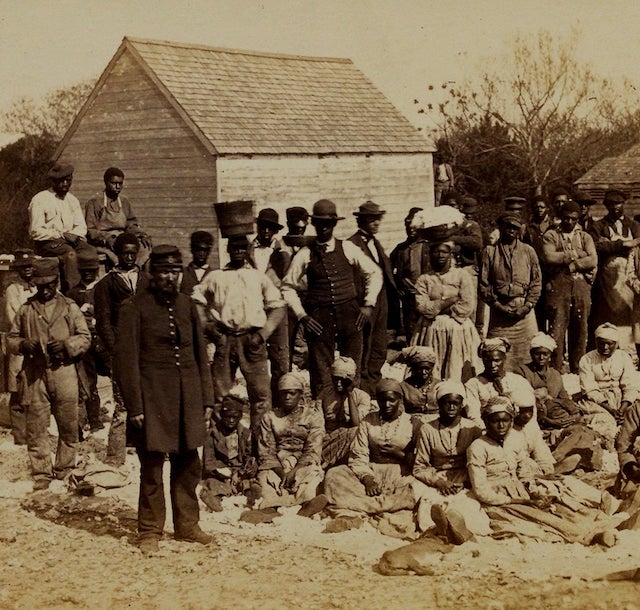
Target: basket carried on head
(235, 217)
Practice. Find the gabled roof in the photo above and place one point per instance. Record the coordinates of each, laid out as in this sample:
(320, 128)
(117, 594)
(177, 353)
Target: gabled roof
(245, 102)
(614, 171)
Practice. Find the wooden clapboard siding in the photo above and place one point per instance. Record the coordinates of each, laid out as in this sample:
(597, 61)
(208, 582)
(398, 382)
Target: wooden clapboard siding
(170, 176)
(395, 181)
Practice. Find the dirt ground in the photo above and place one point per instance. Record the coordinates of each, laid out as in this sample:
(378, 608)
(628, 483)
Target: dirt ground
(59, 550)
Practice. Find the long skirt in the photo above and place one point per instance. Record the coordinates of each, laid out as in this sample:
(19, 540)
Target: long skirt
(519, 333)
(344, 490)
(455, 345)
(308, 479)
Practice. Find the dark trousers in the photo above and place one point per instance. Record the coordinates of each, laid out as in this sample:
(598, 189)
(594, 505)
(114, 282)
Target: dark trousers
(278, 353)
(233, 352)
(68, 257)
(375, 341)
(184, 478)
(568, 306)
(338, 330)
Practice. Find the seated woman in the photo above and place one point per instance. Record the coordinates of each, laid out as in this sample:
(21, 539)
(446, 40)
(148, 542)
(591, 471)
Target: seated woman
(418, 389)
(343, 412)
(494, 379)
(517, 502)
(446, 301)
(289, 449)
(560, 418)
(608, 381)
(440, 468)
(377, 478)
(228, 468)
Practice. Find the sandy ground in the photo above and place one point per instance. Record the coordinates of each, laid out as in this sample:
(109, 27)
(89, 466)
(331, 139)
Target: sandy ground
(59, 550)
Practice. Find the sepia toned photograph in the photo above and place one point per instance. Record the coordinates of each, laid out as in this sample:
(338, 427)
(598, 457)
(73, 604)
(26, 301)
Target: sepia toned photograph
(319, 304)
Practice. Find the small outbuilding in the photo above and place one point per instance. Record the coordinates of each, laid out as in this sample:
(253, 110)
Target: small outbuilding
(621, 172)
(192, 125)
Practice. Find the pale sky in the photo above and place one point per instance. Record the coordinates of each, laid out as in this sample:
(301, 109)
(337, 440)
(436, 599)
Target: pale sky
(402, 45)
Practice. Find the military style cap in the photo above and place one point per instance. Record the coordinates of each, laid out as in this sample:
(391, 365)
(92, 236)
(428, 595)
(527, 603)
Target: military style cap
(88, 258)
(296, 214)
(510, 218)
(514, 203)
(166, 255)
(45, 270)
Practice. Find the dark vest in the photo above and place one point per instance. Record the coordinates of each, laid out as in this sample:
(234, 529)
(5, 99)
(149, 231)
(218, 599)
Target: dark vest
(330, 278)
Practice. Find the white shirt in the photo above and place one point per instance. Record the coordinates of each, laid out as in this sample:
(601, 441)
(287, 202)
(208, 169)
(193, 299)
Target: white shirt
(296, 278)
(50, 217)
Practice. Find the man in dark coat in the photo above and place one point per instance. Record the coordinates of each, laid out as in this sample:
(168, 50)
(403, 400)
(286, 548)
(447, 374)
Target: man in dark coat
(162, 370)
(374, 333)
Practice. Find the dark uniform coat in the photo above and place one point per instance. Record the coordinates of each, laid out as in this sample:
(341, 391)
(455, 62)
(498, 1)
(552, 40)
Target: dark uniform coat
(162, 370)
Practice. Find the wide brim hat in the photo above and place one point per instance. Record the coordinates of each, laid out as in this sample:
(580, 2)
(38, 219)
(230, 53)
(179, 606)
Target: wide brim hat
(324, 209)
(270, 217)
(369, 208)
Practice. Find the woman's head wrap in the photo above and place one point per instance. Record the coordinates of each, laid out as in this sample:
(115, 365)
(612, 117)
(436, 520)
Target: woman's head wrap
(543, 340)
(449, 386)
(419, 354)
(290, 381)
(607, 331)
(344, 368)
(495, 343)
(498, 404)
(388, 385)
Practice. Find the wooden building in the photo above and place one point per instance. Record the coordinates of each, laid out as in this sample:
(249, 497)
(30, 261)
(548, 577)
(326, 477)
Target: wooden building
(621, 172)
(192, 125)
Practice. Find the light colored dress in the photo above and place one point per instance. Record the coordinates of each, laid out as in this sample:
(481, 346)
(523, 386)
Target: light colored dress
(382, 450)
(452, 335)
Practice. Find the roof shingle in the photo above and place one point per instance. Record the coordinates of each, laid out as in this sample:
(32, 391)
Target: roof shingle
(253, 103)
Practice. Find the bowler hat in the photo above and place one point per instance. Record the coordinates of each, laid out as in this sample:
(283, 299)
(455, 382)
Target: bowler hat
(369, 208)
(165, 255)
(296, 214)
(45, 270)
(60, 170)
(88, 258)
(269, 216)
(325, 210)
(23, 257)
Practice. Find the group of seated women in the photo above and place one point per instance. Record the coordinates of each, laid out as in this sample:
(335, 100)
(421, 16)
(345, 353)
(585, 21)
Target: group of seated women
(489, 457)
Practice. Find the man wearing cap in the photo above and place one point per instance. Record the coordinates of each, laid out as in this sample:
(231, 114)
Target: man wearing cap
(121, 283)
(50, 331)
(109, 213)
(570, 259)
(323, 276)
(194, 272)
(16, 294)
(56, 223)
(515, 205)
(615, 236)
(585, 202)
(386, 312)
(468, 237)
(240, 307)
(510, 283)
(94, 359)
(161, 368)
(269, 256)
(409, 260)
